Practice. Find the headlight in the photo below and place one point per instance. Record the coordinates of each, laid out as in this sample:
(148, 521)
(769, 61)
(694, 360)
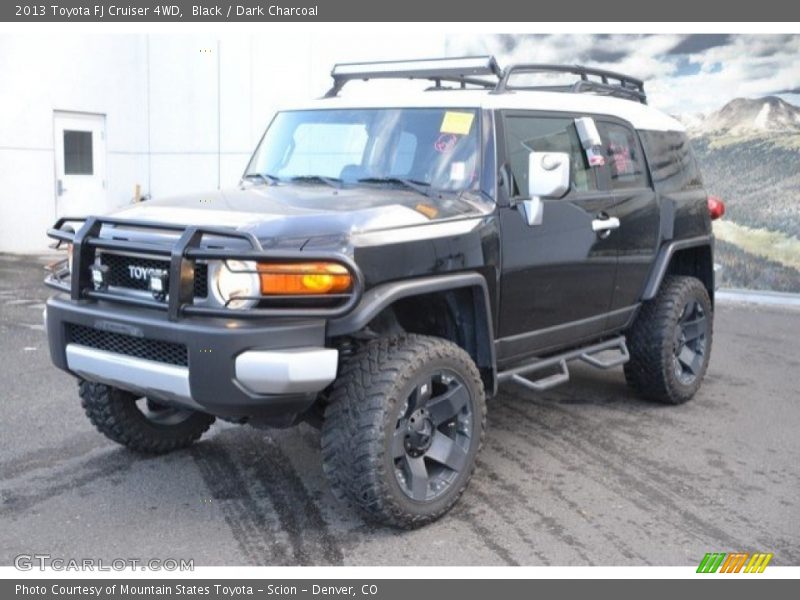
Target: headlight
(238, 284)
(234, 283)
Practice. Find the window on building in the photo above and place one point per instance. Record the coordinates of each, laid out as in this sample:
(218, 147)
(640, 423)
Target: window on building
(78, 153)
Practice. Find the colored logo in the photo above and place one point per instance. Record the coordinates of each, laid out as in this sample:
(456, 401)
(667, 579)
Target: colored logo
(736, 562)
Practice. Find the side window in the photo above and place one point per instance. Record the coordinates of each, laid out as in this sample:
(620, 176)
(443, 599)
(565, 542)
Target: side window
(544, 134)
(624, 158)
(673, 165)
(687, 163)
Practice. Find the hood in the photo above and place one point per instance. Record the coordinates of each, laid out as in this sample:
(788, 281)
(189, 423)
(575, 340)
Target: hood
(292, 214)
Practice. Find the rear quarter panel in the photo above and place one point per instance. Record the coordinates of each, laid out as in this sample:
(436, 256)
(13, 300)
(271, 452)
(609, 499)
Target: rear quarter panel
(678, 184)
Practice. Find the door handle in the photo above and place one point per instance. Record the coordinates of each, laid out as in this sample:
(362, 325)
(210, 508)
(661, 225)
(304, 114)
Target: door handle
(60, 189)
(607, 224)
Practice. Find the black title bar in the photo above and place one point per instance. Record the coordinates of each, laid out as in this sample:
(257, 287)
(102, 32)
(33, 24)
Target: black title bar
(392, 10)
(390, 589)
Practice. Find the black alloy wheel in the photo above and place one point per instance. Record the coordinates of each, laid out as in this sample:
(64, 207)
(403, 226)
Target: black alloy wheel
(690, 342)
(432, 436)
(162, 414)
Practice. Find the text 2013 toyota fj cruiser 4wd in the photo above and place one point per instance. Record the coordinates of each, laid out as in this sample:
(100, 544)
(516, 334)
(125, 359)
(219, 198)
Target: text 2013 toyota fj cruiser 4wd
(382, 267)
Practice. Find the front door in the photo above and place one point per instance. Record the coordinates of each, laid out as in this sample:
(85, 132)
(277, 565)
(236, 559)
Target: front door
(558, 276)
(80, 153)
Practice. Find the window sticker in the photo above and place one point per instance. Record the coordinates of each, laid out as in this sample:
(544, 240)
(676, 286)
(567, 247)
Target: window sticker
(445, 143)
(620, 154)
(458, 171)
(458, 123)
(595, 157)
(427, 210)
(621, 160)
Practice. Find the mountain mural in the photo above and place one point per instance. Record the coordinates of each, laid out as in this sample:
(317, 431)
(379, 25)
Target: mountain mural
(749, 153)
(749, 117)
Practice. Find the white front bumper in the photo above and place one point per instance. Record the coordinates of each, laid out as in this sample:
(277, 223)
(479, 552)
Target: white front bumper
(293, 371)
(273, 372)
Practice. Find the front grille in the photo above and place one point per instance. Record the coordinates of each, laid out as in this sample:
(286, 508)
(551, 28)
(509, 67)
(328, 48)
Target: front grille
(121, 275)
(119, 343)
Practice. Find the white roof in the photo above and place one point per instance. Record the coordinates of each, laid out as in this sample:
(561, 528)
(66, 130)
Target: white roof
(639, 115)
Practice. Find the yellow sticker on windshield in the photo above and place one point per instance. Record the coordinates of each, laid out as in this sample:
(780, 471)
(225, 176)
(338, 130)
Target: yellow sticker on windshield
(458, 123)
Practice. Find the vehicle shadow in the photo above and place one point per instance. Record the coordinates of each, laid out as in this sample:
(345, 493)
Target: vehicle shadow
(265, 489)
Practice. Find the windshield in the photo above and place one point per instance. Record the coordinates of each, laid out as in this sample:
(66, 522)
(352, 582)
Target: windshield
(432, 147)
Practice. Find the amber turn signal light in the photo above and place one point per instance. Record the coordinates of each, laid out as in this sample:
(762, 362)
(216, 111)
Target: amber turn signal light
(303, 278)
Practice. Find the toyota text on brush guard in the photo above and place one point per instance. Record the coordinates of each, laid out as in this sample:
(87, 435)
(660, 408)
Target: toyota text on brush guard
(383, 267)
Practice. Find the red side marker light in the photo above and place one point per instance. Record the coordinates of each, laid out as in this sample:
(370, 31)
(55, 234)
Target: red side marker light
(716, 207)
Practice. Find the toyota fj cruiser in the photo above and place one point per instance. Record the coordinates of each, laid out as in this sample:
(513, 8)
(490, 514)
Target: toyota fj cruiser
(383, 266)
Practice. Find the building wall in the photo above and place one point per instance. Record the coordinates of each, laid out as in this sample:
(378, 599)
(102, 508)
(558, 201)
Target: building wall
(99, 74)
(183, 112)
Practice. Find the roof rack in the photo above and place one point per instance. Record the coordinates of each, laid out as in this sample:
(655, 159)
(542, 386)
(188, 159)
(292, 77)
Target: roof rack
(610, 83)
(473, 70)
(465, 71)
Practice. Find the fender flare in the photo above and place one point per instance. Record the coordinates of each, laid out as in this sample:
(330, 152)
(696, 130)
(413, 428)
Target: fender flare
(665, 256)
(381, 296)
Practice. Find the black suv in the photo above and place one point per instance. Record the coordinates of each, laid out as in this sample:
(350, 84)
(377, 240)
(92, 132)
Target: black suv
(383, 267)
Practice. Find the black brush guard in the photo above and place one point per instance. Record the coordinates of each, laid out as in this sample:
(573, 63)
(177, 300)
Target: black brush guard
(182, 257)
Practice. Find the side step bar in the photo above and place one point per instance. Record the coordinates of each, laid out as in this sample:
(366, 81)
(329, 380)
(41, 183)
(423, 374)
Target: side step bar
(586, 354)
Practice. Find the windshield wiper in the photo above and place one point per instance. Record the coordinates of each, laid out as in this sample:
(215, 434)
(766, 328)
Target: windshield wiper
(265, 177)
(421, 187)
(334, 182)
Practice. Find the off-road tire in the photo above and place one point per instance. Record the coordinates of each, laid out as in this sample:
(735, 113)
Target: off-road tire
(115, 414)
(365, 403)
(652, 342)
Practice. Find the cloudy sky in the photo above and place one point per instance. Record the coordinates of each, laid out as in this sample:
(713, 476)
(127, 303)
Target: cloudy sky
(683, 73)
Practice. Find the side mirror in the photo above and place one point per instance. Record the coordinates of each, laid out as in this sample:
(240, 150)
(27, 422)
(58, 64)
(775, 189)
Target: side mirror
(548, 174)
(548, 177)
